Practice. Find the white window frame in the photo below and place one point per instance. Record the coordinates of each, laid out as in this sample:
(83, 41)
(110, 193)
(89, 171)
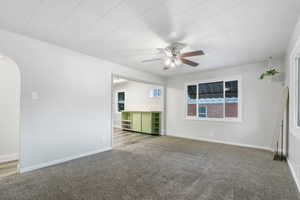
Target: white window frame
(295, 68)
(234, 119)
(293, 88)
(117, 100)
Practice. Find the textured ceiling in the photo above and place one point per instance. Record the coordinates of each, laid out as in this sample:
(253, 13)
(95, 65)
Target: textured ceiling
(231, 32)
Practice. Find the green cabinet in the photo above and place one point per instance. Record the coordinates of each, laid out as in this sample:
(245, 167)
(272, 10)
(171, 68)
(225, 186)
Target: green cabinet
(145, 122)
(136, 121)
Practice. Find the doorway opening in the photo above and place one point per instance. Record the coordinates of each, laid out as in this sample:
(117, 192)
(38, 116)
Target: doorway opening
(137, 111)
(10, 89)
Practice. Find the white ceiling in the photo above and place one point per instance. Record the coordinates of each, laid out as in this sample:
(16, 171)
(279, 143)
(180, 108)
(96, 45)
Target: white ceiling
(230, 32)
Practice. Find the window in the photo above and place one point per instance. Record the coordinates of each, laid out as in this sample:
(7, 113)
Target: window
(211, 95)
(202, 111)
(156, 92)
(231, 99)
(213, 100)
(121, 101)
(192, 104)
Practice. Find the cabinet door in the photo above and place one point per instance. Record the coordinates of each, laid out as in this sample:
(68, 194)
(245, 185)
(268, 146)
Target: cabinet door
(136, 121)
(146, 122)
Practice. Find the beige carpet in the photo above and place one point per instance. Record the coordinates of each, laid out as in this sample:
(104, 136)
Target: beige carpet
(123, 138)
(160, 168)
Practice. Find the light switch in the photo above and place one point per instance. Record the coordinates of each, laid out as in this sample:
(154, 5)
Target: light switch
(34, 96)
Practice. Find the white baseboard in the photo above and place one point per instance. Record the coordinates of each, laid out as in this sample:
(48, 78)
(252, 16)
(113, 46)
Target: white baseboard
(55, 162)
(223, 142)
(294, 174)
(9, 157)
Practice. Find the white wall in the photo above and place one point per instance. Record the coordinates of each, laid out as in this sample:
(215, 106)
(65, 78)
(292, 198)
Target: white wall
(72, 115)
(9, 110)
(136, 98)
(294, 133)
(260, 101)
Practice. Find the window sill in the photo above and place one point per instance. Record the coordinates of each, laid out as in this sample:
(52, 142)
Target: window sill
(238, 120)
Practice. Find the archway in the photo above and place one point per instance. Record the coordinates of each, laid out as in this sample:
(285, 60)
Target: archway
(10, 88)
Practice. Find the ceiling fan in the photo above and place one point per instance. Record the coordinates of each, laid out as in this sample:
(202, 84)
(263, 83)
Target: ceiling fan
(173, 57)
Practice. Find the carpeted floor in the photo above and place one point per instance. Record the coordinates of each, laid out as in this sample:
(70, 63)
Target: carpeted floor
(160, 168)
(123, 138)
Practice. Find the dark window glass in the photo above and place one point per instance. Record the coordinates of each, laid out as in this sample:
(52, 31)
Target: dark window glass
(231, 99)
(120, 107)
(121, 101)
(211, 96)
(191, 101)
(192, 91)
(202, 111)
(121, 96)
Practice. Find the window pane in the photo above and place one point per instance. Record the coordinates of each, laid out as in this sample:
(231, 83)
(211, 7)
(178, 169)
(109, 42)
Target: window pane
(202, 111)
(158, 92)
(211, 97)
(191, 100)
(120, 107)
(298, 75)
(231, 99)
(121, 96)
(121, 101)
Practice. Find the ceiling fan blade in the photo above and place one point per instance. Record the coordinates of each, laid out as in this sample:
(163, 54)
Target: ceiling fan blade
(189, 62)
(151, 60)
(192, 53)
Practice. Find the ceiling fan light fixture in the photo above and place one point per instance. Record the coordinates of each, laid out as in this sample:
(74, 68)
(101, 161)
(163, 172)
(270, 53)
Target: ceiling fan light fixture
(168, 53)
(178, 62)
(173, 63)
(168, 62)
(172, 56)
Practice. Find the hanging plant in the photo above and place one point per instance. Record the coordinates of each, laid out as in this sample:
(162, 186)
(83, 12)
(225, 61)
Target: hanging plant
(271, 72)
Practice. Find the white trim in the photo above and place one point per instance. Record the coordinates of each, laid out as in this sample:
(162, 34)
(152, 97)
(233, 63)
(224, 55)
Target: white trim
(296, 91)
(294, 174)
(214, 119)
(55, 162)
(223, 142)
(226, 78)
(293, 83)
(224, 119)
(9, 157)
(117, 126)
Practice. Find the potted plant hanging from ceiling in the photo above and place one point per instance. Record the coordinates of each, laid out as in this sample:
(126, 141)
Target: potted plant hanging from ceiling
(271, 71)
